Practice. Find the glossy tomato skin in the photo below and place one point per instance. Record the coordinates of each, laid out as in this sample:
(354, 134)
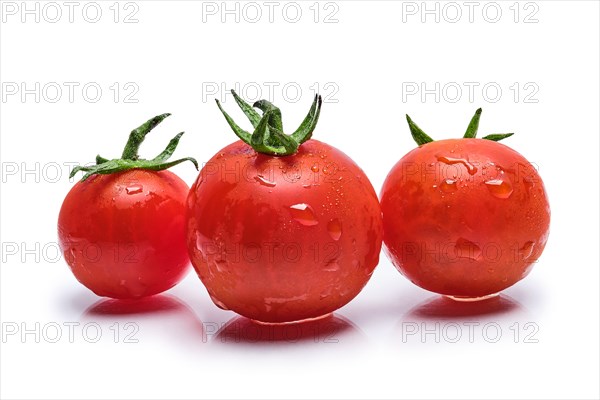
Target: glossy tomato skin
(123, 235)
(464, 217)
(281, 239)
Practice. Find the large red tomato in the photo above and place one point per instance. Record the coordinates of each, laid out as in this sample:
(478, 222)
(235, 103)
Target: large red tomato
(287, 237)
(122, 228)
(464, 217)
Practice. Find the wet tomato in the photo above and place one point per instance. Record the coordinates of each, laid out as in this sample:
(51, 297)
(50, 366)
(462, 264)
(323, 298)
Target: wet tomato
(464, 217)
(122, 228)
(279, 231)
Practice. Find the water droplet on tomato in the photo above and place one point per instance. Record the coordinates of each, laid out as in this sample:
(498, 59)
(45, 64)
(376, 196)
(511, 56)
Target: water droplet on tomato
(133, 189)
(499, 188)
(326, 293)
(304, 214)
(527, 250)
(529, 183)
(73, 253)
(464, 248)
(314, 168)
(307, 186)
(448, 186)
(218, 303)
(221, 265)
(264, 181)
(334, 227)
(471, 169)
(198, 241)
(331, 266)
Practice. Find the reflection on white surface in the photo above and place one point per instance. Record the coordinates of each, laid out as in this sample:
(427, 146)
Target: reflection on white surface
(160, 318)
(441, 307)
(442, 320)
(330, 329)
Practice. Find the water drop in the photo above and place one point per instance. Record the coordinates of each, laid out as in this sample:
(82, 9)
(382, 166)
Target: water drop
(527, 250)
(221, 265)
(73, 253)
(499, 188)
(304, 214)
(529, 183)
(314, 168)
(264, 181)
(198, 241)
(308, 186)
(133, 189)
(464, 248)
(331, 266)
(326, 293)
(334, 227)
(448, 186)
(218, 303)
(471, 169)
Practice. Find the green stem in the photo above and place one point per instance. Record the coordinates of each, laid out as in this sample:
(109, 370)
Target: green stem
(417, 133)
(473, 125)
(130, 159)
(268, 136)
(422, 138)
(137, 136)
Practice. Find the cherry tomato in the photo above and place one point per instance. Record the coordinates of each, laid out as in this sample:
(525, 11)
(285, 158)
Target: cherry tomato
(283, 238)
(464, 217)
(122, 228)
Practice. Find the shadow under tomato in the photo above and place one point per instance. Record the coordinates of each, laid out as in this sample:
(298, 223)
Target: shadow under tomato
(442, 320)
(441, 307)
(330, 329)
(161, 317)
(154, 304)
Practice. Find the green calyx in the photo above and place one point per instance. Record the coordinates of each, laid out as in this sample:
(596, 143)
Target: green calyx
(421, 137)
(130, 158)
(268, 136)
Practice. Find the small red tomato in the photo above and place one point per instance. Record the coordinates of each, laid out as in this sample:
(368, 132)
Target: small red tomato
(464, 217)
(282, 228)
(122, 227)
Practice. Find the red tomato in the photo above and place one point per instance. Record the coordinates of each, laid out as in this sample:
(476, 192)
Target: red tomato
(279, 239)
(122, 227)
(123, 235)
(464, 217)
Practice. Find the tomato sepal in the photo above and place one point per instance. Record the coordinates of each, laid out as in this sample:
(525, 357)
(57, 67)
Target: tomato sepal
(268, 136)
(421, 138)
(130, 158)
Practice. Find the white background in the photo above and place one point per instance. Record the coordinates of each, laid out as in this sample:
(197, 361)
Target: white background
(371, 56)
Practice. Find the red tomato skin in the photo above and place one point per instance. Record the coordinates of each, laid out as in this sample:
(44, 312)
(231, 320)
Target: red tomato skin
(260, 254)
(464, 217)
(123, 235)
